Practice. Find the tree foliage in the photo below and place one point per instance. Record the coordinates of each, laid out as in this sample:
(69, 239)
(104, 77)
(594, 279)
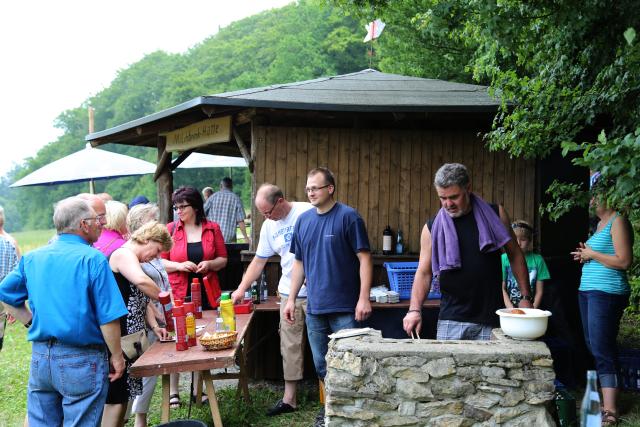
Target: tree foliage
(301, 41)
(565, 71)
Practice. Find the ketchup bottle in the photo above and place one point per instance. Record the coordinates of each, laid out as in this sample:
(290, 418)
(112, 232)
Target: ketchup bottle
(196, 298)
(167, 306)
(180, 326)
(190, 322)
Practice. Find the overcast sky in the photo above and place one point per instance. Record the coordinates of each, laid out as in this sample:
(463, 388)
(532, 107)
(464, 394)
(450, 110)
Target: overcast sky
(56, 54)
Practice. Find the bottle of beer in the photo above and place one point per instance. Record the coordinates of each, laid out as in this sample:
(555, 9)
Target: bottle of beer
(386, 241)
(264, 289)
(255, 295)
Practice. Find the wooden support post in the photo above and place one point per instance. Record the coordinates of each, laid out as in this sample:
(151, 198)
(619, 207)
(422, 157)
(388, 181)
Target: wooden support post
(254, 210)
(243, 150)
(165, 399)
(164, 179)
(213, 401)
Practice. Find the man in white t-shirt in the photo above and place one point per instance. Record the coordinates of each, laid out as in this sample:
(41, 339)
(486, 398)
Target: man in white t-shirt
(275, 239)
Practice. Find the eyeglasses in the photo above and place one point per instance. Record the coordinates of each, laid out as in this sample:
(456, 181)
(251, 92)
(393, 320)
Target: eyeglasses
(315, 189)
(268, 213)
(180, 207)
(102, 218)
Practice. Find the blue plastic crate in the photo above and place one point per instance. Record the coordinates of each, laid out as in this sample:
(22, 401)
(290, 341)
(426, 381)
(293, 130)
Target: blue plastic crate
(629, 365)
(401, 276)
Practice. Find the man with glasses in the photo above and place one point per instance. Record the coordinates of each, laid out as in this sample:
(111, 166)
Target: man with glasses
(331, 249)
(75, 307)
(275, 239)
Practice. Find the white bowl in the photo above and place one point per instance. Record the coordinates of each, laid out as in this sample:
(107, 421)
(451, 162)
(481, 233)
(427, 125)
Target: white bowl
(528, 326)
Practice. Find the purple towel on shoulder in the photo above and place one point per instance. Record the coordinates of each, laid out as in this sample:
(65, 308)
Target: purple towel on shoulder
(445, 250)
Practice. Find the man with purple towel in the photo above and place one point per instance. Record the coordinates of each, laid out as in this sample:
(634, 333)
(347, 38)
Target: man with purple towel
(461, 246)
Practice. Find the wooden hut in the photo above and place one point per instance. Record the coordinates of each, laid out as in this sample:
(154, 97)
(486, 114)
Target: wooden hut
(383, 135)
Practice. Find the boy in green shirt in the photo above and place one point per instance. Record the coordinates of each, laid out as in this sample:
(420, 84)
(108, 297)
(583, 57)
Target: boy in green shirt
(538, 271)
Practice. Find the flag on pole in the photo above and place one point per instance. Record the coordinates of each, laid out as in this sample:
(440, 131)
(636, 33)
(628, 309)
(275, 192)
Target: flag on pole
(374, 29)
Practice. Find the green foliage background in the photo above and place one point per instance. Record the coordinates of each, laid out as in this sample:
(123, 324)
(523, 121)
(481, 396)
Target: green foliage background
(304, 40)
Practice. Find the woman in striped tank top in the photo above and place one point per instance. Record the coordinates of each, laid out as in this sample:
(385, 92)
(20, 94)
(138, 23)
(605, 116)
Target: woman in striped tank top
(603, 296)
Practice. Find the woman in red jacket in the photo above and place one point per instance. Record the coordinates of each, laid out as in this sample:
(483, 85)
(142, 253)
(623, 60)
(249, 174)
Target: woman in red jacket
(198, 247)
(198, 251)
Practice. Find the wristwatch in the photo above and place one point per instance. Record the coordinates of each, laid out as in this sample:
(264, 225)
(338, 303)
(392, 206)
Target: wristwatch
(528, 298)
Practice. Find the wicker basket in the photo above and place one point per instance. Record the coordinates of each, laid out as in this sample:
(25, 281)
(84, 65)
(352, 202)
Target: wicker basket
(218, 340)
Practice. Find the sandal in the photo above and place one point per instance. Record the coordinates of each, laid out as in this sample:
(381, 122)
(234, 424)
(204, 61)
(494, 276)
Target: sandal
(204, 399)
(174, 401)
(609, 418)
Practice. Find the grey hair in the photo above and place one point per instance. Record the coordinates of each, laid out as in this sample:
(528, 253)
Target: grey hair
(142, 214)
(69, 212)
(452, 174)
(271, 192)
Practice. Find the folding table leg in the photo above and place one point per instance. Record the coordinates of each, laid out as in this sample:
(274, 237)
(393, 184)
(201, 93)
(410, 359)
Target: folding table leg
(213, 401)
(165, 398)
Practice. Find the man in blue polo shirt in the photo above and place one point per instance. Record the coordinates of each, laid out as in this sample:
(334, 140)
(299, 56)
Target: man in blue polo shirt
(331, 250)
(75, 307)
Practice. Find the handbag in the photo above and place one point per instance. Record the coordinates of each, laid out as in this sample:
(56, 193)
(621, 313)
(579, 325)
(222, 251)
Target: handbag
(133, 345)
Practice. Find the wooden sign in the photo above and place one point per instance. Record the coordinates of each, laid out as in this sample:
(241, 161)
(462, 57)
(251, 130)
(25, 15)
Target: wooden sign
(210, 131)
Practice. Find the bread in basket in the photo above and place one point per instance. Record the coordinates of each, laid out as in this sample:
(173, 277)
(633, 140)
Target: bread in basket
(218, 340)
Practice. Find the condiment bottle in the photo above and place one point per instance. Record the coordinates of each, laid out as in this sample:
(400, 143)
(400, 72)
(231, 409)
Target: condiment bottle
(180, 326)
(190, 322)
(167, 306)
(196, 298)
(226, 312)
(255, 293)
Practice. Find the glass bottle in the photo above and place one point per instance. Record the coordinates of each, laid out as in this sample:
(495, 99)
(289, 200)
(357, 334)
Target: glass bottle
(590, 409)
(386, 241)
(400, 243)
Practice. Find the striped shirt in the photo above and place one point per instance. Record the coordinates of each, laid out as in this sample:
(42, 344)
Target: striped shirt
(225, 208)
(598, 277)
(8, 257)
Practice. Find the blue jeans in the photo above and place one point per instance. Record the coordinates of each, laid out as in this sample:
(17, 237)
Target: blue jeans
(319, 327)
(600, 313)
(67, 384)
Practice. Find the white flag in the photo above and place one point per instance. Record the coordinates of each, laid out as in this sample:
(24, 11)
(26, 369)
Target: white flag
(374, 29)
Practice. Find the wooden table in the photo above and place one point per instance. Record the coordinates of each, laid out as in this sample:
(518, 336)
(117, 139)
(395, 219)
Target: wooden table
(163, 359)
(272, 304)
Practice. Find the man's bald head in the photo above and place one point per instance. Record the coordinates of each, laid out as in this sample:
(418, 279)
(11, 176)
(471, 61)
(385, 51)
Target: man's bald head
(96, 203)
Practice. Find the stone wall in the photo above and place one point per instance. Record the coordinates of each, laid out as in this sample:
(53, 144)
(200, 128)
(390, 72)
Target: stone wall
(372, 381)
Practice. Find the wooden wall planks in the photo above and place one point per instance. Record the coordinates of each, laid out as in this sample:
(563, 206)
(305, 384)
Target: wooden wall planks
(387, 174)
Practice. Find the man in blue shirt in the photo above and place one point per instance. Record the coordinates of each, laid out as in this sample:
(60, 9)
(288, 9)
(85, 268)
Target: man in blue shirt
(75, 307)
(331, 250)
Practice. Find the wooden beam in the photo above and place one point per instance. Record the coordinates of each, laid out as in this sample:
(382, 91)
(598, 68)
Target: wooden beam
(243, 149)
(181, 158)
(164, 181)
(245, 116)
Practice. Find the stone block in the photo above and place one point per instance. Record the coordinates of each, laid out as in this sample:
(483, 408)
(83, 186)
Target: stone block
(413, 374)
(350, 412)
(407, 408)
(512, 397)
(545, 361)
(476, 414)
(471, 373)
(451, 387)
(502, 415)
(503, 381)
(397, 420)
(413, 390)
(493, 372)
(440, 368)
(532, 374)
(347, 362)
(493, 388)
(483, 400)
(442, 407)
(379, 405)
(450, 421)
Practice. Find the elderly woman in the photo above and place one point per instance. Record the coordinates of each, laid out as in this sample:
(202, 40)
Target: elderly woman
(139, 215)
(603, 295)
(143, 246)
(198, 252)
(115, 230)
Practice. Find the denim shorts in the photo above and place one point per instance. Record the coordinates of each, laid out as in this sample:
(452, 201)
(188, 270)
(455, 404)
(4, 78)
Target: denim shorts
(319, 327)
(67, 383)
(600, 313)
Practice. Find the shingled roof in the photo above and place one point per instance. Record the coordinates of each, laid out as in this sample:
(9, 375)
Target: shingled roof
(364, 91)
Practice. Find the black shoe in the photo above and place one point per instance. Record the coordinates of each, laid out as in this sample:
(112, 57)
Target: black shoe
(280, 408)
(319, 421)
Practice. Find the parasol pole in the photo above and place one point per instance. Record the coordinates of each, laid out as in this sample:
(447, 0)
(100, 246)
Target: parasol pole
(92, 187)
